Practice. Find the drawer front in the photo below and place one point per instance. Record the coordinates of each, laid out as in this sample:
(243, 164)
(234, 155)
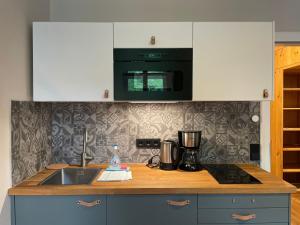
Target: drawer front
(153, 35)
(152, 210)
(263, 215)
(254, 224)
(60, 210)
(243, 201)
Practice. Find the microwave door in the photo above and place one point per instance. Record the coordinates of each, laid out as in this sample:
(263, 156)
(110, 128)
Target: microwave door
(150, 81)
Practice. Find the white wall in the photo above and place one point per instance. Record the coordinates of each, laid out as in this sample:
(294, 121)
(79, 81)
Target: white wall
(284, 12)
(15, 76)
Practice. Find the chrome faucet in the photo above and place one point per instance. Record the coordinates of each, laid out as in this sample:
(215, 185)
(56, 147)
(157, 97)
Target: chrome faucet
(85, 158)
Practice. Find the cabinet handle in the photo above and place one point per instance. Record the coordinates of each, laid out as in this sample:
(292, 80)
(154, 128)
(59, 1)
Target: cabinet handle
(266, 93)
(152, 40)
(243, 218)
(88, 204)
(178, 203)
(106, 93)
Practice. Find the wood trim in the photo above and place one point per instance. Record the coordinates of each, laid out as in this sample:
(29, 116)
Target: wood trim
(291, 170)
(291, 129)
(291, 108)
(277, 124)
(291, 89)
(291, 149)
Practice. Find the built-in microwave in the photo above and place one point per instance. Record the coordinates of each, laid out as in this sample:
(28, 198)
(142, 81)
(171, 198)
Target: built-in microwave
(153, 74)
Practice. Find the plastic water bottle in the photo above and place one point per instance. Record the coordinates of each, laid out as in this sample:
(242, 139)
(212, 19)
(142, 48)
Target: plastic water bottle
(115, 161)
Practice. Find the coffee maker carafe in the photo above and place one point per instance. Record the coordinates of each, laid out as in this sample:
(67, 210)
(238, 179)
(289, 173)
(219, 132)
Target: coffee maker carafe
(189, 143)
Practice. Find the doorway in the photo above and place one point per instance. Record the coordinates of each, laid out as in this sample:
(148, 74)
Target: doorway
(285, 121)
(285, 115)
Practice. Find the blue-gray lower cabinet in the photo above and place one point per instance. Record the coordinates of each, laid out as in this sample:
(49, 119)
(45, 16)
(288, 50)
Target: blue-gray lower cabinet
(152, 210)
(270, 209)
(60, 210)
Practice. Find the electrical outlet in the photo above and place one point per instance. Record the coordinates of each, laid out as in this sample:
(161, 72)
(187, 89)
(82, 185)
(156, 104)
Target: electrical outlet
(153, 143)
(254, 152)
(140, 143)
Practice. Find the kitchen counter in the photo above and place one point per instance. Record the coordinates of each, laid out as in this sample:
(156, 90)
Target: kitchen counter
(155, 181)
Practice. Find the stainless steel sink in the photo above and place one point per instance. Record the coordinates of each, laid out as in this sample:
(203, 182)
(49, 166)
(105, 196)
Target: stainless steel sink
(69, 176)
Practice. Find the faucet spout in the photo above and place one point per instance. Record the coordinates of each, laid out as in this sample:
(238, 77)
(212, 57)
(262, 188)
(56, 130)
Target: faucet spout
(85, 157)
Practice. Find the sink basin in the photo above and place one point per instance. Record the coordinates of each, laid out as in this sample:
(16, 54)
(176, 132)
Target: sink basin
(69, 176)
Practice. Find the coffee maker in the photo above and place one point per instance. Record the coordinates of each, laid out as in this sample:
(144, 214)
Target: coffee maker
(189, 144)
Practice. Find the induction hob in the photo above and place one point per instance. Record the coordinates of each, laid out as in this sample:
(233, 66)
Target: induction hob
(230, 174)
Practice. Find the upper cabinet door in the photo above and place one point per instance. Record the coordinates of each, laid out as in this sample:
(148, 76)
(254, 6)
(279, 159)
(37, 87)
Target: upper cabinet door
(72, 61)
(233, 61)
(153, 35)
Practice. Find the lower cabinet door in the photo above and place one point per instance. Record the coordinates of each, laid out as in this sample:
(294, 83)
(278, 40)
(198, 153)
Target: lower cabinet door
(60, 210)
(152, 210)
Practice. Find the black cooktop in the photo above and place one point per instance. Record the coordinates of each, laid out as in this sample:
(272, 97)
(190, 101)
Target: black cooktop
(230, 174)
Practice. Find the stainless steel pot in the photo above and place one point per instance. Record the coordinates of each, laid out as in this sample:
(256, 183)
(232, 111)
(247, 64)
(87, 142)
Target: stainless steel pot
(189, 139)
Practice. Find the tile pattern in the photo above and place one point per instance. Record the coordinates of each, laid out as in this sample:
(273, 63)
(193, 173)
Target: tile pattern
(31, 138)
(227, 129)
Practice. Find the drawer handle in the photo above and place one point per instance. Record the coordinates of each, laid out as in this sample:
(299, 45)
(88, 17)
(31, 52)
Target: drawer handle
(178, 203)
(88, 204)
(243, 218)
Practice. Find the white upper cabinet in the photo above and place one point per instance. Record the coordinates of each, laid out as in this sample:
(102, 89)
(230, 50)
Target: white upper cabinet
(72, 61)
(233, 61)
(153, 35)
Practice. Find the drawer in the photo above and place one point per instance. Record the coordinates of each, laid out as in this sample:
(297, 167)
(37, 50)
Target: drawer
(255, 224)
(223, 216)
(152, 210)
(153, 35)
(243, 201)
(60, 210)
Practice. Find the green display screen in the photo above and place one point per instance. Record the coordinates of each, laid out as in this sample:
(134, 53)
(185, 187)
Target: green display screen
(155, 84)
(135, 84)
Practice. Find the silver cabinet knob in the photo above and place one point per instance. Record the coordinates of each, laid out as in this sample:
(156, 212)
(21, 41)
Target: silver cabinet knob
(152, 40)
(106, 93)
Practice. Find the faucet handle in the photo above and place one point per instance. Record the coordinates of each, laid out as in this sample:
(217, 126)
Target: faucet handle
(89, 157)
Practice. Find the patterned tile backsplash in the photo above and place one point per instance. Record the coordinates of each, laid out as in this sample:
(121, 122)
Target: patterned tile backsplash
(227, 130)
(31, 138)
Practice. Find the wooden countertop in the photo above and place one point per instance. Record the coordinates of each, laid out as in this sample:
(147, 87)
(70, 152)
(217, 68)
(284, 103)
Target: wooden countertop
(155, 181)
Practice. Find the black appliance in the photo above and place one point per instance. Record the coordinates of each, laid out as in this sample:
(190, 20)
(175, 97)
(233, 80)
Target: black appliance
(153, 74)
(189, 142)
(230, 174)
